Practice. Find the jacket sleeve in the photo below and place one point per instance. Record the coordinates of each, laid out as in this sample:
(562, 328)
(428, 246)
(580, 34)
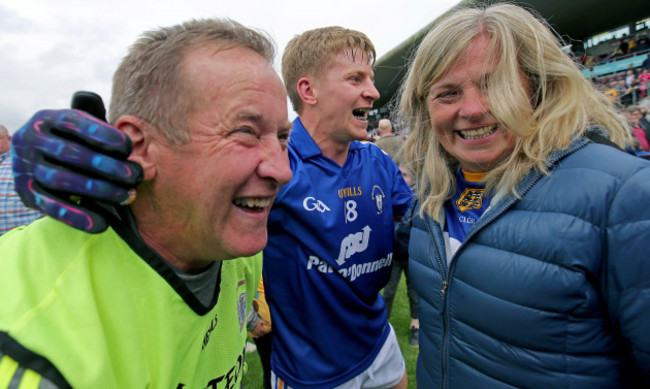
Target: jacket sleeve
(626, 270)
(403, 232)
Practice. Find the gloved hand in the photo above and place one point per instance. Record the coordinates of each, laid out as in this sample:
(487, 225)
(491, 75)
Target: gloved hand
(65, 160)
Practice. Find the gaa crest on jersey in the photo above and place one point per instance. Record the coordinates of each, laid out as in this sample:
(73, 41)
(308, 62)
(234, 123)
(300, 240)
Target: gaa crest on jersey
(241, 305)
(312, 204)
(471, 198)
(378, 195)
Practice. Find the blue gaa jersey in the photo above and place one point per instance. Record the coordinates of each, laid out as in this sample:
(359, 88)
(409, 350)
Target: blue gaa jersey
(464, 209)
(329, 254)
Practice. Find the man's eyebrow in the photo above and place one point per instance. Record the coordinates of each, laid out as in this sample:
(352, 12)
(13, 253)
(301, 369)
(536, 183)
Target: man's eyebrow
(286, 126)
(254, 116)
(249, 116)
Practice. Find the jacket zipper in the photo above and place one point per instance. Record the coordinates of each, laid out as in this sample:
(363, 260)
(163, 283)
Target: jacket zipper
(443, 292)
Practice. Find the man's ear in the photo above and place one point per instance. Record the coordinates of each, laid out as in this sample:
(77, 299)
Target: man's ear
(306, 91)
(144, 143)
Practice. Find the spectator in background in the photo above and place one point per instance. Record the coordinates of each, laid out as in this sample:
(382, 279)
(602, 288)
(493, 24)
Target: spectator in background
(629, 77)
(621, 87)
(644, 76)
(643, 79)
(642, 45)
(5, 140)
(631, 44)
(615, 53)
(612, 92)
(644, 116)
(392, 145)
(528, 243)
(630, 93)
(639, 128)
(13, 212)
(646, 62)
(623, 46)
(387, 140)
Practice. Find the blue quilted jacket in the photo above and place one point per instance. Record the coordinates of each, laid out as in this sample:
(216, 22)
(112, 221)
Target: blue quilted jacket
(548, 291)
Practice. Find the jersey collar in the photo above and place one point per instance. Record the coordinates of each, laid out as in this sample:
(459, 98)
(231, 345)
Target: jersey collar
(304, 145)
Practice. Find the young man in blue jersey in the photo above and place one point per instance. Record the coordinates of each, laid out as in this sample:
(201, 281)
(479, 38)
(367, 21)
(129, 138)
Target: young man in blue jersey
(330, 247)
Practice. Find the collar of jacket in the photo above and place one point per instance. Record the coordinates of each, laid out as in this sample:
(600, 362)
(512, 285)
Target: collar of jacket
(502, 201)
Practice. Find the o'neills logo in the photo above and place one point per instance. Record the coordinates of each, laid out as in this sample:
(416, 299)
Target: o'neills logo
(206, 337)
(350, 192)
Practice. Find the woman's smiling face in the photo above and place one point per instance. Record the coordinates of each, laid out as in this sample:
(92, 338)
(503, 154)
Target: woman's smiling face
(460, 113)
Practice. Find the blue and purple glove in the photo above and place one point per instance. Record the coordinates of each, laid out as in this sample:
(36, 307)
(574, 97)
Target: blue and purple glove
(73, 167)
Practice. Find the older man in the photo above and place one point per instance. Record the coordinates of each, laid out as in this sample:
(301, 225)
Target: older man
(388, 141)
(150, 302)
(5, 140)
(12, 211)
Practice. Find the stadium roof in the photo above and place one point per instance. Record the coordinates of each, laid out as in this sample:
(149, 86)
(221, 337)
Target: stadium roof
(574, 19)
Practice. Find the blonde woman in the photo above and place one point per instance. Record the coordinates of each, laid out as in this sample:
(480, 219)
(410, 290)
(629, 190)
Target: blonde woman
(528, 243)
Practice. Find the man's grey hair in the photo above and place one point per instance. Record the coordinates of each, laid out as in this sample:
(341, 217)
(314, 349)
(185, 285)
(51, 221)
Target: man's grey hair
(149, 81)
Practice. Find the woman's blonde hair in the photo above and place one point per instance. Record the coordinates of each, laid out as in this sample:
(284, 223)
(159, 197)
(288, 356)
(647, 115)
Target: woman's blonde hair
(555, 108)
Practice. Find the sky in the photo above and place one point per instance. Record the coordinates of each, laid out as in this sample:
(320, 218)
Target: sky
(50, 49)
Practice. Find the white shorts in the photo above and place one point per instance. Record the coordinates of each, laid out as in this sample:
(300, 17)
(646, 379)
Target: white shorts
(386, 370)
